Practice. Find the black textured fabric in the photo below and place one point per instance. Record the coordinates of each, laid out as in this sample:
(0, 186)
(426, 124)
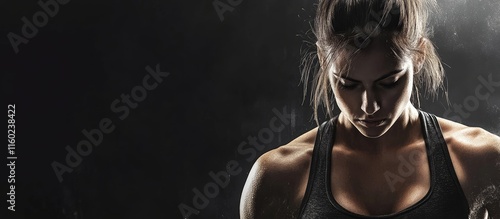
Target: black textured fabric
(445, 198)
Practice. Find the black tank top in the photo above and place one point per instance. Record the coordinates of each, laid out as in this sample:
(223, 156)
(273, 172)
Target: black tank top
(445, 198)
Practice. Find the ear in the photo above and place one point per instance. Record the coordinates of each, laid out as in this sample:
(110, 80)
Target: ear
(419, 56)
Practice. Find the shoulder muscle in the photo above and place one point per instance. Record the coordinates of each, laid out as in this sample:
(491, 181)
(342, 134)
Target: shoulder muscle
(276, 183)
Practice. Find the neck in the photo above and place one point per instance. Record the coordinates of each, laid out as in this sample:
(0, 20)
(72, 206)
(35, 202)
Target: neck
(403, 132)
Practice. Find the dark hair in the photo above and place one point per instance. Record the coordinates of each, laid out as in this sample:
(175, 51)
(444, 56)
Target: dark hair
(345, 27)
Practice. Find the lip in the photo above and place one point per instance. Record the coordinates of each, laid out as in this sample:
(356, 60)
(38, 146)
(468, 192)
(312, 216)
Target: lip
(370, 123)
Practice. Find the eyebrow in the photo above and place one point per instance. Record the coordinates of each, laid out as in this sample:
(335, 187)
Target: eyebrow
(378, 79)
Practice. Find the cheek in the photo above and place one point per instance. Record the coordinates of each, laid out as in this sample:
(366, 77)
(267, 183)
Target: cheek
(408, 88)
(347, 100)
(400, 95)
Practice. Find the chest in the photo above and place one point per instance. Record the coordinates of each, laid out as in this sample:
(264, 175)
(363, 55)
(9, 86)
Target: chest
(379, 185)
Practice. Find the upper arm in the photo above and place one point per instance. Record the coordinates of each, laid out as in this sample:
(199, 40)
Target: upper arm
(477, 153)
(276, 184)
(490, 177)
(267, 193)
(493, 205)
(251, 196)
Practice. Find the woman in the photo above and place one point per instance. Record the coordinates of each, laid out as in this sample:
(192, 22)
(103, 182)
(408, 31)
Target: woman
(381, 156)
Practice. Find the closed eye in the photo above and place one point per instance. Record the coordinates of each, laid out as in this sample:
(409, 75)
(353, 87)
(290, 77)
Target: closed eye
(390, 84)
(345, 85)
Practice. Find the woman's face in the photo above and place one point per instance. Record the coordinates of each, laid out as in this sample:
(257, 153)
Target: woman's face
(375, 91)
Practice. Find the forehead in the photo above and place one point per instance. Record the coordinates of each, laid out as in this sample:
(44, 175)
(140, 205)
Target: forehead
(372, 62)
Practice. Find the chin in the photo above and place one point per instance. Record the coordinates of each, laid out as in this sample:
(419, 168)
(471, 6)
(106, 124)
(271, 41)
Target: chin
(372, 136)
(372, 132)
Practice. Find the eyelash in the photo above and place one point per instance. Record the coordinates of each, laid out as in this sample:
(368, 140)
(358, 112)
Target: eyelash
(353, 86)
(391, 85)
(347, 87)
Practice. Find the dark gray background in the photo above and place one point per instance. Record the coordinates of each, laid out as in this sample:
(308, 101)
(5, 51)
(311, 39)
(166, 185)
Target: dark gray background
(226, 78)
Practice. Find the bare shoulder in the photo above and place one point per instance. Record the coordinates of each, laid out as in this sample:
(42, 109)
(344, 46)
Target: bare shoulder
(473, 142)
(277, 181)
(475, 154)
(295, 153)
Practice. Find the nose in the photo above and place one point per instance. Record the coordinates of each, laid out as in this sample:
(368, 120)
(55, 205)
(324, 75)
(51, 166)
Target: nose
(369, 103)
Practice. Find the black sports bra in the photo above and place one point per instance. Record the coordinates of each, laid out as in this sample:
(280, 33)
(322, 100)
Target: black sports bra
(445, 198)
